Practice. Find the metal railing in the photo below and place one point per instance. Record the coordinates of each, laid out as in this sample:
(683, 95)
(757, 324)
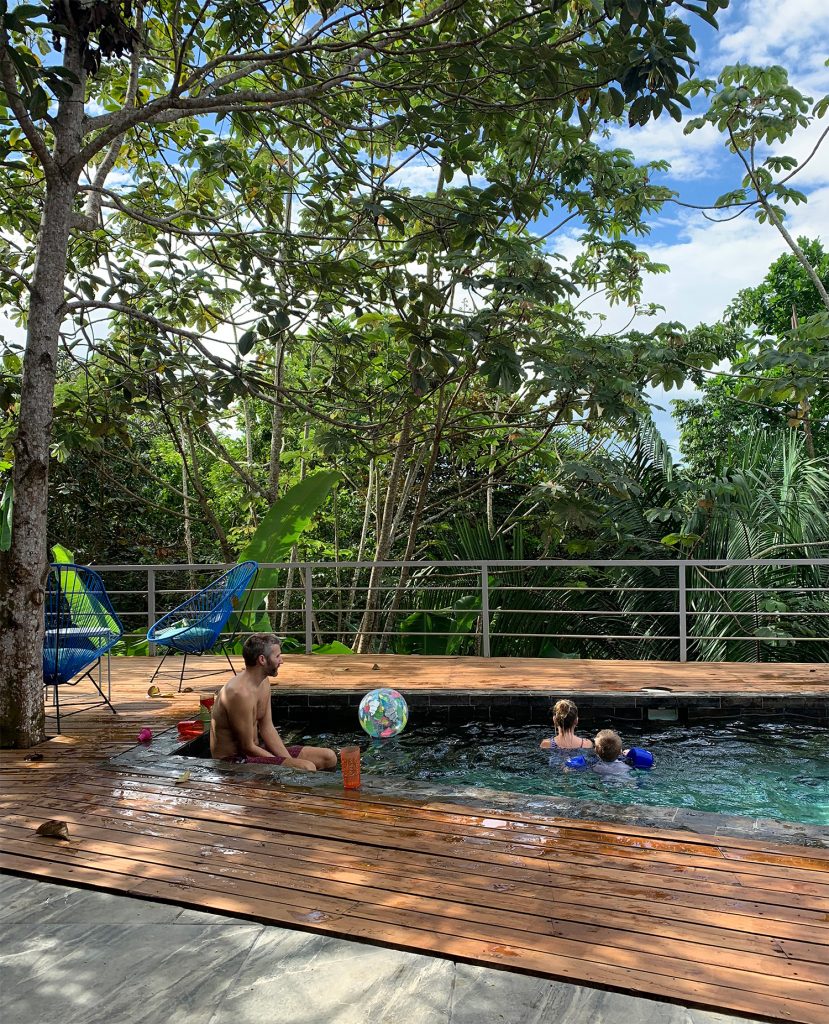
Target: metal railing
(629, 608)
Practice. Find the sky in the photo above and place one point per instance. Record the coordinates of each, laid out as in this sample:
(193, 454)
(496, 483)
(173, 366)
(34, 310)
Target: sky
(709, 263)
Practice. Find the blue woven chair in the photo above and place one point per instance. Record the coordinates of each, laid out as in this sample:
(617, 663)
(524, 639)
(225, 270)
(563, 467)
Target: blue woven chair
(81, 627)
(195, 627)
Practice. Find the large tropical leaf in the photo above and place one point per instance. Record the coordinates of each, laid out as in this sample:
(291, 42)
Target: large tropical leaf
(280, 529)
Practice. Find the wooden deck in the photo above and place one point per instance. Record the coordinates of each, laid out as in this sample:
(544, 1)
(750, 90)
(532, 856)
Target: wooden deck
(525, 675)
(729, 924)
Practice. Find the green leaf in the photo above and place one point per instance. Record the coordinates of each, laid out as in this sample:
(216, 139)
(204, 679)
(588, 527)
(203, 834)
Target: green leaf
(6, 506)
(281, 527)
(335, 647)
(62, 554)
(246, 342)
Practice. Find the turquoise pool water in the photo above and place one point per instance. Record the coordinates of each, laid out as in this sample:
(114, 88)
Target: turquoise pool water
(767, 770)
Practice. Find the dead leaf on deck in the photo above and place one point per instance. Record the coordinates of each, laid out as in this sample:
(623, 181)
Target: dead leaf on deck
(153, 692)
(54, 828)
(375, 668)
(184, 777)
(33, 757)
(187, 689)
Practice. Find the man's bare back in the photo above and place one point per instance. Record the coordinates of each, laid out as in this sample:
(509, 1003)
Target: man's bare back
(241, 724)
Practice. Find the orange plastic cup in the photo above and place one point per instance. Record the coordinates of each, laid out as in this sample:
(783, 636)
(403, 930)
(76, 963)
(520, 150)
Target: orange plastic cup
(350, 764)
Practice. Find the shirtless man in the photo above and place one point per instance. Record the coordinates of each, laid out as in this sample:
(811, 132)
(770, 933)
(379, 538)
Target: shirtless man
(241, 725)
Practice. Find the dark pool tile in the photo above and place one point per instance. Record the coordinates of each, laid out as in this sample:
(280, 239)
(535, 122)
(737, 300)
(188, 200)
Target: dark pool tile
(741, 702)
(449, 700)
(293, 699)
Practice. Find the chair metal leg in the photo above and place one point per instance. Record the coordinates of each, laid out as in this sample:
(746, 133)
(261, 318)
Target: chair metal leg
(57, 707)
(163, 659)
(104, 697)
(181, 677)
(232, 666)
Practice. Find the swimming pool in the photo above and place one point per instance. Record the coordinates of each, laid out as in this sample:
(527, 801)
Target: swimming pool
(777, 770)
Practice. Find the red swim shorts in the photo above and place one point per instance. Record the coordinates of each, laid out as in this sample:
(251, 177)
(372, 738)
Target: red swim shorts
(294, 751)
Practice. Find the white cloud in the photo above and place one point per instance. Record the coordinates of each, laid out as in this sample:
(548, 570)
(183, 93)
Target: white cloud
(422, 178)
(711, 262)
(773, 31)
(690, 156)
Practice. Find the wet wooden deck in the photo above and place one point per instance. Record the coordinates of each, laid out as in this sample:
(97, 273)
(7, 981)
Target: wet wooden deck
(729, 924)
(525, 675)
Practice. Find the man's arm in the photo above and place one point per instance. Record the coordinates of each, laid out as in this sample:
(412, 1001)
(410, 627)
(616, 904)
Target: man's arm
(267, 730)
(240, 719)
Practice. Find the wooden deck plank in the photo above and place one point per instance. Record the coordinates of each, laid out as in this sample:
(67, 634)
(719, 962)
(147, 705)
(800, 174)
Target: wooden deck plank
(526, 675)
(570, 843)
(331, 895)
(781, 918)
(287, 851)
(722, 922)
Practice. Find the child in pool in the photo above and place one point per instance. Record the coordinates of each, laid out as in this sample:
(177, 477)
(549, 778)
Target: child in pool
(565, 719)
(609, 750)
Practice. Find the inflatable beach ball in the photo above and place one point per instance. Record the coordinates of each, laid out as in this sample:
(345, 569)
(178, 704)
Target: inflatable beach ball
(383, 713)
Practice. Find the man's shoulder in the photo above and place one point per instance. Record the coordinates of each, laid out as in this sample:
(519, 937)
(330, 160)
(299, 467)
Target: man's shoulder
(238, 688)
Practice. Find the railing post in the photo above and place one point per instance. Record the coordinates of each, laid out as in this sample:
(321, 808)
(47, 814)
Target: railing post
(309, 606)
(485, 609)
(151, 605)
(683, 613)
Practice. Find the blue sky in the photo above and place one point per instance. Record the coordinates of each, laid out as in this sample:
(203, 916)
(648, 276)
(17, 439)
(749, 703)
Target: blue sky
(709, 262)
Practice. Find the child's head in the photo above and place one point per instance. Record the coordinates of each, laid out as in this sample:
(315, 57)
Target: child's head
(565, 715)
(608, 745)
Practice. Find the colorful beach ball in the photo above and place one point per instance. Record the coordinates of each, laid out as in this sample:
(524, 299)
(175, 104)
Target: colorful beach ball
(383, 713)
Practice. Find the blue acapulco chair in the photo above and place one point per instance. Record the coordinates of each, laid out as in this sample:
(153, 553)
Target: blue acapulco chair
(195, 627)
(81, 628)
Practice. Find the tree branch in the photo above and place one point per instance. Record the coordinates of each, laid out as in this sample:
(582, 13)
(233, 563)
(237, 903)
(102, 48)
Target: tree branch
(15, 100)
(92, 210)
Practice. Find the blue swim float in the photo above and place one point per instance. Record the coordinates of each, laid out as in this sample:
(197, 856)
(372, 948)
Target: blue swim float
(636, 757)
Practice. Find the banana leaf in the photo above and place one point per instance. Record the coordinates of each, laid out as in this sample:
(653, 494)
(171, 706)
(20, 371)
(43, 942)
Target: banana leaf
(281, 527)
(439, 632)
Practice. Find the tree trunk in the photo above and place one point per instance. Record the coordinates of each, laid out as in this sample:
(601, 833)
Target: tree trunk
(361, 547)
(188, 532)
(276, 424)
(193, 472)
(385, 536)
(23, 580)
(24, 567)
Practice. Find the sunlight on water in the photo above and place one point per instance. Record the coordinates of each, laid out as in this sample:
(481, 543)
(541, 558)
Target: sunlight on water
(770, 770)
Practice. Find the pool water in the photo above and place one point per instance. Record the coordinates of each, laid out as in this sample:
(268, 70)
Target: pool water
(768, 770)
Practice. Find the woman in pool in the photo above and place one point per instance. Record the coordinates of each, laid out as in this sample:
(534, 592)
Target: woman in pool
(565, 719)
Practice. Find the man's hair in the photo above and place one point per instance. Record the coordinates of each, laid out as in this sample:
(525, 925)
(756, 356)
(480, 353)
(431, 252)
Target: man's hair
(259, 643)
(608, 745)
(565, 714)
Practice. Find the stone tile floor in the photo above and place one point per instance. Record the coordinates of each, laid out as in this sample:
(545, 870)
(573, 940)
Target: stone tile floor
(75, 956)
